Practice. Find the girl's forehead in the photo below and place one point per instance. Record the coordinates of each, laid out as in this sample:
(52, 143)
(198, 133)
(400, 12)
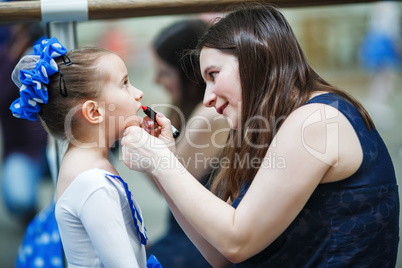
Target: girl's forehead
(112, 61)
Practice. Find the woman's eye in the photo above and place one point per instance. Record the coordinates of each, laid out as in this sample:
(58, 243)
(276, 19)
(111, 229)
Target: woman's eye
(213, 75)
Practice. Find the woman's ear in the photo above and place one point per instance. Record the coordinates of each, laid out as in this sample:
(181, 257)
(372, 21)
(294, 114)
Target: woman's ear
(92, 112)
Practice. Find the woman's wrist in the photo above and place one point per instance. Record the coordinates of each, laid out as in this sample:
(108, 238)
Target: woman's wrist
(168, 165)
(172, 148)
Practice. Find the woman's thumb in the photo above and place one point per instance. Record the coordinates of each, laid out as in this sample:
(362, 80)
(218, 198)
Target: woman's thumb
(165, 124)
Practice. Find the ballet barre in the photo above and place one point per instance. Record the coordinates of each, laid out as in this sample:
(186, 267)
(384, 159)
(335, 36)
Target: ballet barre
(78, 10)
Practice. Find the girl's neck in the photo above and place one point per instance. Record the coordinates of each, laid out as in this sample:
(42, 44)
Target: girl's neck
(91, 136)
(95, 151)
(87, 158)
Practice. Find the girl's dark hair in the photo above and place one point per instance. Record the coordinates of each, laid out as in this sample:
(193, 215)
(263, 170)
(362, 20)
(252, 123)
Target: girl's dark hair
(171, 44)
(83, 79)
(275, 78)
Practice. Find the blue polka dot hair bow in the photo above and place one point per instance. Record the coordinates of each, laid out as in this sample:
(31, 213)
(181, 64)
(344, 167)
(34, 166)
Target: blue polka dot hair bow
(138, 221)
(31, 75)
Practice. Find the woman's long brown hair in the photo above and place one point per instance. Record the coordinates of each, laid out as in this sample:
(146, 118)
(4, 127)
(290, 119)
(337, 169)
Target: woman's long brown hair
(275, 80)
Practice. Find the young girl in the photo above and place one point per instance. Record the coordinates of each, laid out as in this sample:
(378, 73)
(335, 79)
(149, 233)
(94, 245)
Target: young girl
(84, 96)
(305, 181)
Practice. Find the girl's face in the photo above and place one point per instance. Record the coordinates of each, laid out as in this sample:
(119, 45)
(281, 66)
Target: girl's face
(122, 100)
(223, 89)
(168, 77)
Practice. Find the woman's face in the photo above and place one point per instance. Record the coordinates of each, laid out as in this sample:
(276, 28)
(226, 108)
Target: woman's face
(223, 89)
(168, 77)
(122, 100)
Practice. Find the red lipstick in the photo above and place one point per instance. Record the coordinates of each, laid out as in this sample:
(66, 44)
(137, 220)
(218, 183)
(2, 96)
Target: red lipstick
(221, 108)
(152, 114)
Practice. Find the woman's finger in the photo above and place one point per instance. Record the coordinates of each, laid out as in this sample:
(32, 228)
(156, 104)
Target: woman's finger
(165, 124)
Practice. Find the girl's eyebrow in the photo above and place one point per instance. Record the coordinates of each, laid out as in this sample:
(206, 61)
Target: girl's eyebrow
(124, 79)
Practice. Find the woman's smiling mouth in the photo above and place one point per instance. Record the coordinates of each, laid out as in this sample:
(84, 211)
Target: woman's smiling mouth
(221, 109)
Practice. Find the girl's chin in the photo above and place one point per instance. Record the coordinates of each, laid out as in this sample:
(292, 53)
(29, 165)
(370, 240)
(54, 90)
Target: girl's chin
(122, 128)
(132, 123)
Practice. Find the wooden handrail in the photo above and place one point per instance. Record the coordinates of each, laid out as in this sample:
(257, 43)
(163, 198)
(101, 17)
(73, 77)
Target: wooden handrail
(25, 11)
(20, 11)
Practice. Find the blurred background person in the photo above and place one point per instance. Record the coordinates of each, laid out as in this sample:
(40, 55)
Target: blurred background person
(381, 55)
(199, 141)
(23, 143)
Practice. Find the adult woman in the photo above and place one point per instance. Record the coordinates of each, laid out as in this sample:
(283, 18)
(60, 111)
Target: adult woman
(332, 200)
(197, 123)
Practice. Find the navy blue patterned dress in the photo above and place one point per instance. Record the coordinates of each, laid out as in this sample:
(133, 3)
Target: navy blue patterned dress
(349, 223)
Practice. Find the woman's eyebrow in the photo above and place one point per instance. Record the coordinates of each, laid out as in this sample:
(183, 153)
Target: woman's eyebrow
(206, 71)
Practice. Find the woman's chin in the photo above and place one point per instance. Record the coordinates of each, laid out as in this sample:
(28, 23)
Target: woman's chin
(232, 124)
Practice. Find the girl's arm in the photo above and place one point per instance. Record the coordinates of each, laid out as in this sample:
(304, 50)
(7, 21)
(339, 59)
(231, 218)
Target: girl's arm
(305, 149)
(103, 219)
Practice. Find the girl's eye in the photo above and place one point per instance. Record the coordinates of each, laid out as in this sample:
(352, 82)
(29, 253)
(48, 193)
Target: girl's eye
(125, 84)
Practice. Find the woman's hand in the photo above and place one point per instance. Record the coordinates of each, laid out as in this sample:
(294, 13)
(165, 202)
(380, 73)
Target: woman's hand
(144, 152)
(162, 130)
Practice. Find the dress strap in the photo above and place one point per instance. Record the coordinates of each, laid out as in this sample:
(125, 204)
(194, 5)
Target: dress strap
(137, 219)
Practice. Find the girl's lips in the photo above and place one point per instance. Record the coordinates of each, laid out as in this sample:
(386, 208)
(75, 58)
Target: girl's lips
(222, 108)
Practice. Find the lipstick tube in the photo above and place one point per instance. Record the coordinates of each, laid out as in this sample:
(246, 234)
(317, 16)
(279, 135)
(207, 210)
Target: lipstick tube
(152, 114)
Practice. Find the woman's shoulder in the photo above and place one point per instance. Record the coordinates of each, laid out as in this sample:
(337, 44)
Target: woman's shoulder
(322, 110)
(308, 125)
(321, 130)
(311, 113)
(313, 119)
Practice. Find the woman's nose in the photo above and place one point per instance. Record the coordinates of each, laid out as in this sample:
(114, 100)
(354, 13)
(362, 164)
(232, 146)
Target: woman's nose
(209, 98)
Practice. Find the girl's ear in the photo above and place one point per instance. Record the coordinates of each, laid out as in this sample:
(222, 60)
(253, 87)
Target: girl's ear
(92, 112)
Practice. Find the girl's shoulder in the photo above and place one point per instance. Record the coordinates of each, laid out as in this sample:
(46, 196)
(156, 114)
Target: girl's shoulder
(84, 181)
(76, 162)
(90, 184)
